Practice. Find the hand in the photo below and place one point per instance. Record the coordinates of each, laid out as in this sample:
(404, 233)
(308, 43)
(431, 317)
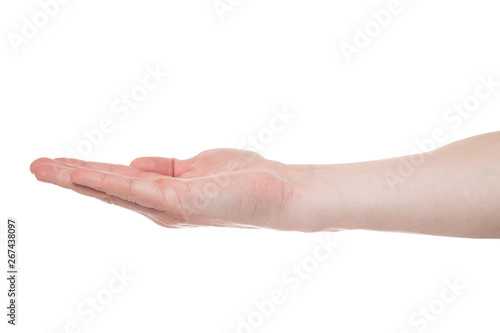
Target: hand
(220, 187)
(452, 192)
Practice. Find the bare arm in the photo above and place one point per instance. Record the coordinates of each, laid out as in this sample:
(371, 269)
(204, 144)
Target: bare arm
(452, 191)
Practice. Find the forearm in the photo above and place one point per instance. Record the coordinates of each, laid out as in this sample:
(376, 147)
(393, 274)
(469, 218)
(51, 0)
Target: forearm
(454, 191)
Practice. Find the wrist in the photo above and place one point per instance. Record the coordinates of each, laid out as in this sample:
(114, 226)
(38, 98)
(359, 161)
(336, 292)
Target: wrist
(317, 203)
(341, 196)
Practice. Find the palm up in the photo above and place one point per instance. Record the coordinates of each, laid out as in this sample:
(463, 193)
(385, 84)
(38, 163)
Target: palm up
(220, 187)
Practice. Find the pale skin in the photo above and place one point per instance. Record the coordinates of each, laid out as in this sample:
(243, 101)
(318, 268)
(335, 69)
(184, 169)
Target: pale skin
(454, 191)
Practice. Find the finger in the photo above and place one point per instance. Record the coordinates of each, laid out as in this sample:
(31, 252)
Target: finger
(144, 192)
(166, 166)
(37, 162)
(60, 175)
(113, 168)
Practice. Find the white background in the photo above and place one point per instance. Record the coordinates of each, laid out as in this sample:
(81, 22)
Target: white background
(225, 78)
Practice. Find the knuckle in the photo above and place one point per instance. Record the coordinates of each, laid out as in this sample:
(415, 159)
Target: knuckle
(130, 185)
(104, 180)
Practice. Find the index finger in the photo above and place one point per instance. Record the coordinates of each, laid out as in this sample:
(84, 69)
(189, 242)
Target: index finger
(145, 192)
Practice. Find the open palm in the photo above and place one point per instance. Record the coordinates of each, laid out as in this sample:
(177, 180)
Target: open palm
(220, 187)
